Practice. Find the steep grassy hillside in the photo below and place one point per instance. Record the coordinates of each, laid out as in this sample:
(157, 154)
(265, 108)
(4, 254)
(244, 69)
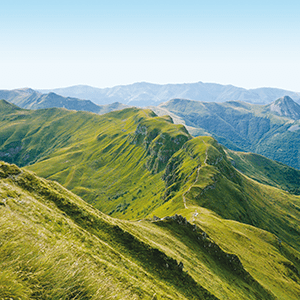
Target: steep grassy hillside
(133, 163)
(113, 161)
(200, 174)
(56, 246)
(269, 130)
(266, 171)
(210, 231)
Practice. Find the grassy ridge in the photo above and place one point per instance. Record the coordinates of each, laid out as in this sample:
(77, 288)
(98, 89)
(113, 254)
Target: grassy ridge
(119, 162)
(76, 251)
(266, 171)
(203, 174)
(110, 166)
(133, 164)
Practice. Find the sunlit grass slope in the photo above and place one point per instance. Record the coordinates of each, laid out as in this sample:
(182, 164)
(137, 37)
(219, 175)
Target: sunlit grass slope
(114, 161)
(56, 246)
(266, 170)
(241, 242)
(201, 174)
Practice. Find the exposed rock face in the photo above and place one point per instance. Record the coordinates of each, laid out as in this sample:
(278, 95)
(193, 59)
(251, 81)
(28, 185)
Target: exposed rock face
(206, 244)
(286, 107)
(178, 218)
(159, 143)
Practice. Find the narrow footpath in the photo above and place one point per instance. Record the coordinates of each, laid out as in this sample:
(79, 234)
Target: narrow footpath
(198, 170)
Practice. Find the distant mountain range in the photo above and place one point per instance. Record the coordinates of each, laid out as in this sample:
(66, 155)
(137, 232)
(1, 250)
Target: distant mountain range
(141, 94)
(144, 94)
(272, 130)
(31, 99)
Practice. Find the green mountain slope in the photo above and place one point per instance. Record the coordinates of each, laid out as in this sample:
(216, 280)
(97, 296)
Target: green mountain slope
(266, 171)
(236, 237)
(133, 163)
(56, 246)
(118, 157)
(270, 130)
(200, 174)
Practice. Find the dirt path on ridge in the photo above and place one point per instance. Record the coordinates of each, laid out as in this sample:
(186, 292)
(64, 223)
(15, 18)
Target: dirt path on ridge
(198, 170)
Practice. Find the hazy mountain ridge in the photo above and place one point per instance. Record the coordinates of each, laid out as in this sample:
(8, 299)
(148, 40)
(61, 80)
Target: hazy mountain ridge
(271, 130)
(145, 94)
(30, 99)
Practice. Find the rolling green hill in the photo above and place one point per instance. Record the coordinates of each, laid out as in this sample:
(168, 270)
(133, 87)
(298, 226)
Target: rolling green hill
(266, 171)
(56, 246)
(237, 237)
(270, 130)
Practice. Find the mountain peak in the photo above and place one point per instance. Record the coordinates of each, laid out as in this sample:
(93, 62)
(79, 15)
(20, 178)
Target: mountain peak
(26, 90)
(6, 106)
(286, 107)
(285, 100)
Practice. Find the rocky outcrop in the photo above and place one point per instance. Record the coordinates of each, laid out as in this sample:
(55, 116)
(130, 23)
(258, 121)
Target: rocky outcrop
(285, 107)
(160, 142)
(207, 245)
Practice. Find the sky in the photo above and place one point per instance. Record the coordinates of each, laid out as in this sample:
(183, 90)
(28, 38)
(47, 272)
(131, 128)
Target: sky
(246, 43)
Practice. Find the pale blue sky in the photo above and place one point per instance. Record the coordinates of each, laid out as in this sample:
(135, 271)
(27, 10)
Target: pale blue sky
(48, 44)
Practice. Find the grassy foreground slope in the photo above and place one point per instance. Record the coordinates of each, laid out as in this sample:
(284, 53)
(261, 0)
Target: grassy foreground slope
(56, 246)
(242, 239)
